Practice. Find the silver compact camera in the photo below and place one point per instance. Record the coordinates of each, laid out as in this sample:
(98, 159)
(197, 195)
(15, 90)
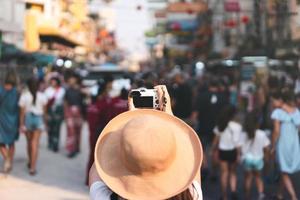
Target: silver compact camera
(145, 98)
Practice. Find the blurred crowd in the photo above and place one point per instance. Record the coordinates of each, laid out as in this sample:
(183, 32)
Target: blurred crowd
(252, 129)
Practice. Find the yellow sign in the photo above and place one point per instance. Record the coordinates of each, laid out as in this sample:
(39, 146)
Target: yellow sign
(32, 40)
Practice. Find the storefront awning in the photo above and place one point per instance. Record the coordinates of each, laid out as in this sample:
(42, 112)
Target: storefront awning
(49, 34)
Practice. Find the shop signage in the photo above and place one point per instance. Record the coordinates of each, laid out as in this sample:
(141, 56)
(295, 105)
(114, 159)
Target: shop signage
(232, 6)
(183, 25)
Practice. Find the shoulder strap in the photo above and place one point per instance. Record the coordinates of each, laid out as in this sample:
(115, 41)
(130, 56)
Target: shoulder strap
(198, 190)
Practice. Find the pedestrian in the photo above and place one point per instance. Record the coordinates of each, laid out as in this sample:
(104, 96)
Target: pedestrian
(147, 154)
(33, 106)
(227, 144)
(55, 94)
(298, 100)
(208, 106)
(285, 141)
(119, 104)
(98, 115)
(255, 149)
(9, 120)
(73, 110)
(182, 98)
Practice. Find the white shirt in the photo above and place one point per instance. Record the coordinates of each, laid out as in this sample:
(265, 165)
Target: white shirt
(255, 147)
(99, 191)
(230, 137)
(58, 94)
(26, 101)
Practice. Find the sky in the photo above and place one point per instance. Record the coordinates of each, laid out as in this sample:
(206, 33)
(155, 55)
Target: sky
(130, 24)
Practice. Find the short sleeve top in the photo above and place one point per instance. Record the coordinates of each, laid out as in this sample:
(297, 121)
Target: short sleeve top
(26, 101)
(284, 117)
(230, 137)
(254, 147)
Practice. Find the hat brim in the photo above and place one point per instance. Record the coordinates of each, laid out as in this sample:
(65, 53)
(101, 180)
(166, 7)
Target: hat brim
(177, 178)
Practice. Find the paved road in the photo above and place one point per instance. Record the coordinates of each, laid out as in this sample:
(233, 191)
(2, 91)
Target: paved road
(211, 189)
(58, 178)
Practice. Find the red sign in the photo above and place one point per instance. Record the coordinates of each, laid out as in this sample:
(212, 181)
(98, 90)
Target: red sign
(245, 19)
(231, 23)
(232, 6)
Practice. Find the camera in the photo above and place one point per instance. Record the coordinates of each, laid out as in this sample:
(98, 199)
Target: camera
(145, 98)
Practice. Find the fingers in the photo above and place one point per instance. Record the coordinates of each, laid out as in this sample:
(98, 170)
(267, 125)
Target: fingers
(164, 99)
(160, 95)
(131, 104)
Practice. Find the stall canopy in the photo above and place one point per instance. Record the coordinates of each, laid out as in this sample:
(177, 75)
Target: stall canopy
(11, 52)
(50, 34)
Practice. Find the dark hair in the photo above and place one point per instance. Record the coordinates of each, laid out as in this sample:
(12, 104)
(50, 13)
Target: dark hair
(185, 195)
(57, 80)
(251, 124)
(33, 87)
(288, 96)
(101, 88)
(124, 94)
(108, 79)
(11, 78)
(214, 82)
(227, 114)
(276, 95)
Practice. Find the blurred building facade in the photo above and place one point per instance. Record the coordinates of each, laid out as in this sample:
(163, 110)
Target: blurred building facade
(51, 26)
(181, 33)
(56, 24)
(233, 22)
(11, 22)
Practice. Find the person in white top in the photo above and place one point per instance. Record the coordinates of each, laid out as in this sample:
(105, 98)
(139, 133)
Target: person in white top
(147, 154)
(32, 116)
(255, 148)
(55, 107)
(227, 144)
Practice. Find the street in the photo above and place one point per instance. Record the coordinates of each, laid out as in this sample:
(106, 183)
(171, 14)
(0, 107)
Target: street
(212, 189)
(58, 177)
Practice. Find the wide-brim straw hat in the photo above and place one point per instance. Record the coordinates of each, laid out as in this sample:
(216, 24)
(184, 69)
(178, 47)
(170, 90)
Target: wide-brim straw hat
(148, 155)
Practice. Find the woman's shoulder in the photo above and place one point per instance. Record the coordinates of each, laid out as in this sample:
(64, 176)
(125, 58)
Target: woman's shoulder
(278, 114)
(41, 95)
(235, 125)
(296, 112)
(25, 93)
(260, 134)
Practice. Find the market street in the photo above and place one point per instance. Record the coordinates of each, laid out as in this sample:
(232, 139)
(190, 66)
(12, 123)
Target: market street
(58, 177)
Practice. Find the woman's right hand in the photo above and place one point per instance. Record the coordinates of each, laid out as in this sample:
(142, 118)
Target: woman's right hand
(164, 99)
